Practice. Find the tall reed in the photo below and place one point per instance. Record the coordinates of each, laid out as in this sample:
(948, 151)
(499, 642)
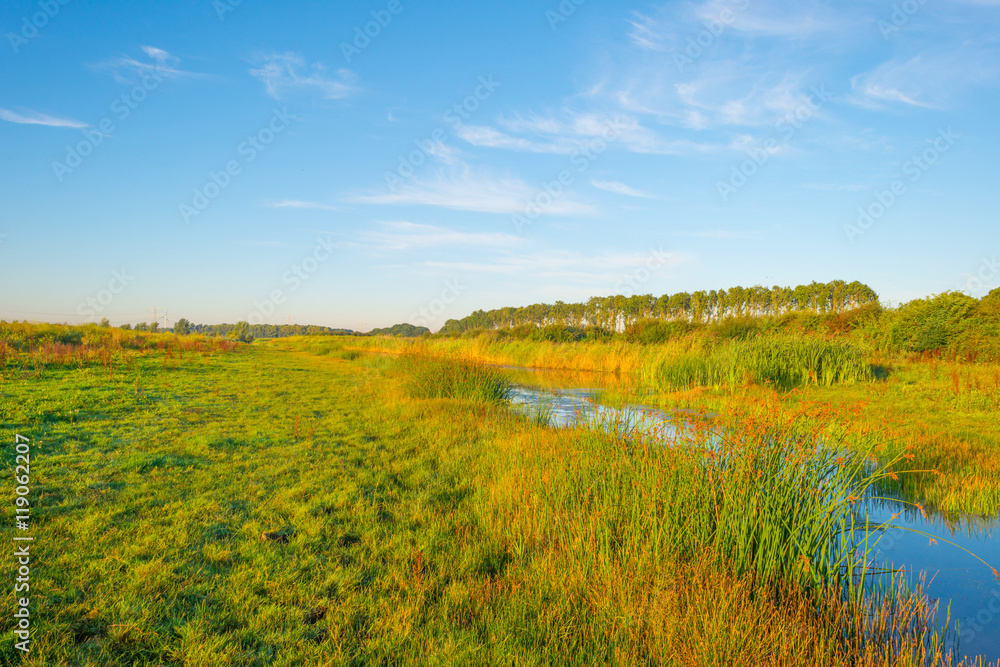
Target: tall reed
(425, 377)
(779, 362)
(757, 500)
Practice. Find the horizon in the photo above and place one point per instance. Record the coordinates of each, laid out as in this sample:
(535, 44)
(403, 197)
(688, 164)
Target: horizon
(276, 162)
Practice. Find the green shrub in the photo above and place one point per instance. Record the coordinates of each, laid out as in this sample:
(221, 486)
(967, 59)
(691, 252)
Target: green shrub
(652, 331)
(557, 333)
(733, 328)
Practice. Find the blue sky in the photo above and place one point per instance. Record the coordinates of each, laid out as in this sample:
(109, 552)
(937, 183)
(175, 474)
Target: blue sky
(273, 162)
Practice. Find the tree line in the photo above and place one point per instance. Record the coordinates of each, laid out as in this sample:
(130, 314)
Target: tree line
(619, 312)
(241, 330)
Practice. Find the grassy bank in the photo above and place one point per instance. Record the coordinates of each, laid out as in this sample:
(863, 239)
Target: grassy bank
(262, 505)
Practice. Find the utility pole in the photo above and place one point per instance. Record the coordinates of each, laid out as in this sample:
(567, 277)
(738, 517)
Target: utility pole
(154, 313)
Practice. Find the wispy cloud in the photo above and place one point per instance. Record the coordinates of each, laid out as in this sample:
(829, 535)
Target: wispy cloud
(601, 271)
(929, 79)
(721, 95)
(159, 63)
(725, 234)
(572, 131)
(671, 26)
(295, 203)
(403, 235)
(836, 187)
(284, 73)
(467, 189)
(621, 189)
(27, 117)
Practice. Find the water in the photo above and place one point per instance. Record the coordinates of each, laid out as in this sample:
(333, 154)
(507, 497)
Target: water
(568, 407)
(952, 576)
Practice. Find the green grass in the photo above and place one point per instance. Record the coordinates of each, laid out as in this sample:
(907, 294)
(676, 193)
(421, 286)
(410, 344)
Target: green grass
(150, 504)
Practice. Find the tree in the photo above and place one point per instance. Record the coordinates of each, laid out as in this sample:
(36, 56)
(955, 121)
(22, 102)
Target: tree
(142, 326)
(104, 322)
(126, 326)
(241, 332)
(154, 326)
(182, 327)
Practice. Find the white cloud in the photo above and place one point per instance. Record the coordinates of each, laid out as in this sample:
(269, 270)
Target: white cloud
(621, 189)
(402, 235)
(27, 117)
(130, 70)
(571, 131)
(489, 137)
(601, 271)
(931, 79)
(468, 190)
(799, 21)
(836, 187)
(725, 234)
(284, 73)
(675, 25)
(156, 54)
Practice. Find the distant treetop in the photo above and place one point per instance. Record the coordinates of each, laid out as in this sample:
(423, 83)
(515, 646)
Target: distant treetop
(401, 330)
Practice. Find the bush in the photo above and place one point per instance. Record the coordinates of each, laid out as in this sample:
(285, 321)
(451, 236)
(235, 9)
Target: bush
(241, 332)
(651, 331)
(925, 325)
(733, 328)
(557, 333)
(597, 334)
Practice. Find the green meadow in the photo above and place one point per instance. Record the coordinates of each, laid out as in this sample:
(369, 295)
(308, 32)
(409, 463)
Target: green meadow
(314, 501)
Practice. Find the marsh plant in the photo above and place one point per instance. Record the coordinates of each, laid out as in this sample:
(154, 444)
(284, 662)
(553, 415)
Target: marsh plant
(452, 378)
(778, 362)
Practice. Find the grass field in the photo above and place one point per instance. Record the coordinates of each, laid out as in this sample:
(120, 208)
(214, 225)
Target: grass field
(302, 503)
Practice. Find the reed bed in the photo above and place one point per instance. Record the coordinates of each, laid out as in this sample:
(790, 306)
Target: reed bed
(447, 378)
(778, 362)
(753, 500)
